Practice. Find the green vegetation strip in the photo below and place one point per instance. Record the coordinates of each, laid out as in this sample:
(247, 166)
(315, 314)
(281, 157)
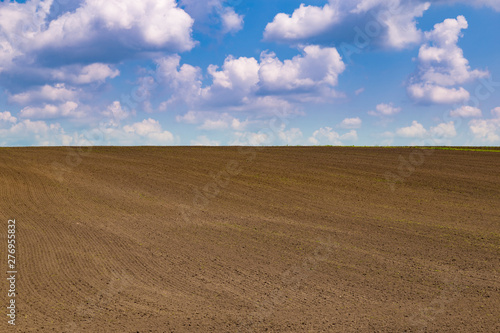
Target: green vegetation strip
(487, 149)
(456, 148)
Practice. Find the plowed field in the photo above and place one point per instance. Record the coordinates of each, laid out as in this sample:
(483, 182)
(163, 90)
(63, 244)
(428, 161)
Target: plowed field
(290, 239)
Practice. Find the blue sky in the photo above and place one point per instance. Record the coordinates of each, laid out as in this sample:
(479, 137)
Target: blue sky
(276, 72)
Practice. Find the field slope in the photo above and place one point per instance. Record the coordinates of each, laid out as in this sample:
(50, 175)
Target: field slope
(313, 239)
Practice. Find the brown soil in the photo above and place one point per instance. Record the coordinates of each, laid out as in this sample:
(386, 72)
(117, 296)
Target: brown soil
(297, 239)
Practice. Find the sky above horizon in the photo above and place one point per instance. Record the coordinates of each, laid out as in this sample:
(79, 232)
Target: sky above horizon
(235, 72)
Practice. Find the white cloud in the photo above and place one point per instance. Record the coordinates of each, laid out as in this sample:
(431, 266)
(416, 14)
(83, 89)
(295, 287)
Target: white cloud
(401, 24)
(231, 22)
(250, 139)
(305, 22)
(314, 71)
(191, 117)
(58, 92)
(7, 117)
(352, 135)
(416, 130)
(50, 111)
(327, 136)
(19, 22)
(486, 130)
(391, 23)
(466, 111)
(351, 123)
(442, 66)
(291, 136)
(444, 130)
(317, 67)
(495, 4)
(145, 127)
(246, 84)
(359, 91)
(148, 23)
(96, 72)
(94, 30)
(213, 13)
(393, 20)
(204, 141)
(150, 132)
(213, 120)
(184, 81)
(32, 133)
(384, 110)
(236, 74)
(430, 93)
(116, 113)
(218, 124)
(496, 112)
(238, 125)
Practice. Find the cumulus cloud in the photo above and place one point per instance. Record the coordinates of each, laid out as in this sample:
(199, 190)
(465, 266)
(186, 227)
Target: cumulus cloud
(237, 79)
(116, 113)
(485, 130)
(209, 124)
(54, 55)
(45, 43)
(305, 22)
(442, 66)
(496, 112)
(388, 23)
(430, 93)
(203, 140)
(466, 111)
(311, 74)
(78, 74)
(291, 136)
(31, 133)
(444, 130)
(213, 120)
(351, 123)
(477, 3)
(316, 67)
(393, 22)
(231, 22)
(92, 31)
(327, 136)
(359, 91)
(50, 111)
(58, 92)
(7, 117)
(418, 131)
(183, 81)
(246, 83)
(384, 110)
(145, 127)
(146, 132)
(148, 24)
(210, 13)
(250, 139)
(150, 132)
